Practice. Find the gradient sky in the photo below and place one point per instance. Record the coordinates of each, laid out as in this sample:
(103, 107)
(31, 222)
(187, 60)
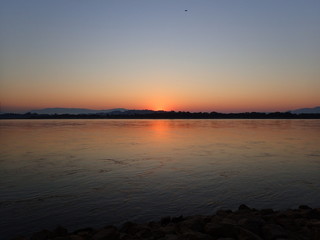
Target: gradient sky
(226, 56)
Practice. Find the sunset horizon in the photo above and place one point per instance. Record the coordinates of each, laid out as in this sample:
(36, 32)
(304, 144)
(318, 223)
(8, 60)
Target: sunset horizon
(159, 119)
(216, 56)
(225, 110)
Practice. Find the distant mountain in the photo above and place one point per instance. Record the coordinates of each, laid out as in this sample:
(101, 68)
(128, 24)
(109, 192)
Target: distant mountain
(306, 110)
(76, 111)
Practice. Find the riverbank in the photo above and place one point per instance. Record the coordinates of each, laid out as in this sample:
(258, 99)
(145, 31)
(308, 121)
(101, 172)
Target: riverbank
(245, 223)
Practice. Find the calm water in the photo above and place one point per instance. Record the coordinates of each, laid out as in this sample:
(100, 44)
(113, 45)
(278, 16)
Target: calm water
(82, 173)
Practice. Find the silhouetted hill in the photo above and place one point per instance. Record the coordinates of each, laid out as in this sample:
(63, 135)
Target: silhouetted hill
(306, 110)
(76, 111)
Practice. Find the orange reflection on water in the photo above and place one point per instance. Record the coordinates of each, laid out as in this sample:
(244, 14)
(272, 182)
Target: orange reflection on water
(160, 128)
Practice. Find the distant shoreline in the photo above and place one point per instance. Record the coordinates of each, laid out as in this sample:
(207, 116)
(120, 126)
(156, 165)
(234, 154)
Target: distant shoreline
(166, 115)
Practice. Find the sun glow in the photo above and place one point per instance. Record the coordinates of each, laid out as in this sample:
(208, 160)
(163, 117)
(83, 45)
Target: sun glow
(164, 103)
(158, 106)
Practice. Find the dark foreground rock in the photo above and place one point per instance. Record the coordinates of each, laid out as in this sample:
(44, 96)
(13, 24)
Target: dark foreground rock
(244, 224)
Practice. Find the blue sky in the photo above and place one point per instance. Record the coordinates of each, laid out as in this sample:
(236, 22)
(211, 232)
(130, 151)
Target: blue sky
(218, 55)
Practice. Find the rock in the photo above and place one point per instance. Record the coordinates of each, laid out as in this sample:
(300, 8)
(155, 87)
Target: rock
(124, 236)
(243, 207)
(76, 237)
(195, 223)
(195, 236)
(290, 214)
(244, 224)
(139, 230)
(165, 220)
(108, 233)
(244, 234)
(129, 227)
(315, 224)
(42, 235)
(267, 211)
(171, 228)
(60, 231)
(220, 230)
(287, 223)
(230, 231)
(177, 219)
(300, 222)
(61, 238)
(223, 213)
(153, 224)
(315, 233)
(158, 234)
(225, 239)
(253, 224)
(144, 233)
(169, 237)
(229, 221)
(84, 232)
(19, 238)
(310, 214)
(273, 231)
(128, 237)
(304, 207)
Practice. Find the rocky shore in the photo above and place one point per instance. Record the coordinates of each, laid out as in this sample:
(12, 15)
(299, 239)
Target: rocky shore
(244, 224)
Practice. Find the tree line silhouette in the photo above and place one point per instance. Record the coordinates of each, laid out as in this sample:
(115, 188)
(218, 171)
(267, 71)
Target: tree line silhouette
(142, 114)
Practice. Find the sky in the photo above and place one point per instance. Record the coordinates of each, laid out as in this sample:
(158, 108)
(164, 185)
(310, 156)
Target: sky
(219, 55)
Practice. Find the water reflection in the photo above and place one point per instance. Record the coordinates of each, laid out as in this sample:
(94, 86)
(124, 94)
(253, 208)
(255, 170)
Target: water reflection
(118, 170)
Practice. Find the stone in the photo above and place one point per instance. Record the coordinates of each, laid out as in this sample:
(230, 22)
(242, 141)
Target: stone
(42, 235)
(223, 213)
(273, 231)
(228, 221)
(245, 224)
(287, 223)
(153, 224)
(129, 237)
(61, 238)
(171, 228)
(194, 236)
(253, 224)
(169, 237)
(310, 214)
(108, 233)
(165, 220)
(304, 207)
(195, 223)
(19, 238)
(245, 234)
(267, 211)
(158, 233)
(60, 231)
(315, 224)
(217, 230)
(76, 237)
(177, 219)
(129, 227)
(225, 239)
(300, 222)
(243, 207)
(84, 232)
(144, 233)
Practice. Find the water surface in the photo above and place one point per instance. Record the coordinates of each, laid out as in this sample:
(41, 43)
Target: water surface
(82, 173)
